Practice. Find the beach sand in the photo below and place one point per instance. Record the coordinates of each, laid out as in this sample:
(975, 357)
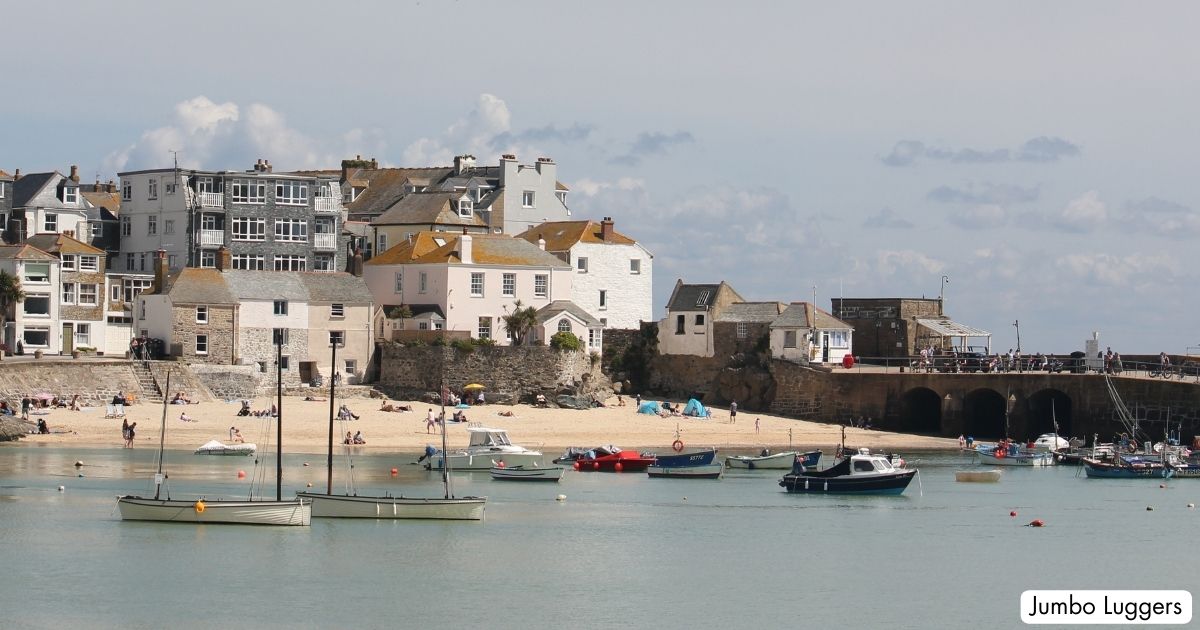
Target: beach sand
(306, 426)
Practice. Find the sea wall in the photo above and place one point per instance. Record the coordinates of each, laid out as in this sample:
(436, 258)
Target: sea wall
(96, 381)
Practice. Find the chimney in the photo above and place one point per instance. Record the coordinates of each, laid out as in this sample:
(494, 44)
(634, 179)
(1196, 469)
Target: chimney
(541, 242)
(69, 233)
(464, 248)
(111, 187)
(224, 259)
(606, 229)
(75, 173)
(356, 264)
(267, 166)
(463, 163)
(160, 272)
(17, 175)
(374, 164)
(508, 168)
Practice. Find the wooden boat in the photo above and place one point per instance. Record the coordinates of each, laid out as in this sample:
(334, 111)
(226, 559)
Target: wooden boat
(1122, 468)
(217, 447)
(297, 511)
(702, 471)
(777, 461)
(620, 461)
(977, 476)
(861, 473)
(695, 458)
(1011, 454)
(488, 447)
(522, 473)
(330, 505)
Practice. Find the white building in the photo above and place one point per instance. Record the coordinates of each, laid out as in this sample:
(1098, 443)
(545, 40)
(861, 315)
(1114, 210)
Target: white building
(613, 274)
(49, 203)
(34, 323)
(807, 334)
(691, 311)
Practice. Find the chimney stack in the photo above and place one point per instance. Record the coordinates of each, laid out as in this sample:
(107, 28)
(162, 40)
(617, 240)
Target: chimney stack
(541, 242)
(224, 259)
(465, 248)
(75, 173)
(160, 272)
(463, 163)
(606, 229)
(267, 166)
(356, 264)
(17, 175)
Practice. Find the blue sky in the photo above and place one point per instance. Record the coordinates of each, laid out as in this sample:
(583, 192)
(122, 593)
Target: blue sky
(1038, 154)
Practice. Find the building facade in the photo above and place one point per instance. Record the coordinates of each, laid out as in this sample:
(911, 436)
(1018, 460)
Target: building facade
(80, 291)
(691, 309)
(806, 334)
(33, 323)
(47, 203)
(886, 327)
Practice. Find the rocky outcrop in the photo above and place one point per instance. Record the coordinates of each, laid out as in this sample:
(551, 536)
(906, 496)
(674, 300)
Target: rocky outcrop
(12, 429)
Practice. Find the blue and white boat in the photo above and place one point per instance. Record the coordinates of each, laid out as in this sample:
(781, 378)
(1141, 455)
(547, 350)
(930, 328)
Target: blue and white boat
(860, 473)
(695, 458)
(1011, 454)
(777, 461)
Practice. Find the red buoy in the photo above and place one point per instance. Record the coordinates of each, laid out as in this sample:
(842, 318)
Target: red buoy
(1037, 522)
(395, 472)
(575, 465)
(1012, 513)
(619, 467)
(500, 465)
(241, 474)
(595, 465)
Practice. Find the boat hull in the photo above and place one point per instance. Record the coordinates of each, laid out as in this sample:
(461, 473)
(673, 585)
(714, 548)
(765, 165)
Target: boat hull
(294, 512)
(346, 506)
(521, 473)
(977, 476)
(625, 461)
(484, 461)
(778, 461)
(698, 458)
(227, 450)
(1041, 458)
(706, 471)
(891, 483)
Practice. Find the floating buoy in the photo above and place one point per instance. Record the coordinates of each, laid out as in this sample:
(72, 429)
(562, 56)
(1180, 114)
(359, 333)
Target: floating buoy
(1192, 505)
(1037, 522)
(1162, 485)
(685, 498)
(1149, 508)
(62, 488)
(500, 464)
(1013, 513)
(561, 497)
(199, 507)
(595, 465)
(395, 471)
(305, 463)
(619, 467)
(575, 465)
(241, 474)
(78, 463)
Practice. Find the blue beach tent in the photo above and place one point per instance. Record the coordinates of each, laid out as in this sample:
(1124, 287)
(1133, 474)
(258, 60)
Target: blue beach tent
(695, 409)
(649, 407)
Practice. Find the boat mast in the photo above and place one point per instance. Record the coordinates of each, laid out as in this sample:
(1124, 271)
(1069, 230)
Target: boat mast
(279, 416)
(162, 438)
(332, 389)
(445, 458)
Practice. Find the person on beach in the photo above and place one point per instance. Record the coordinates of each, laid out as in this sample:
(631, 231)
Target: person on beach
(733, 412)
(5, 409)
(349, 439)
(429, 421)
(26, 403)
(125, 431)
(130, 434)
(756, 425)
(620, 400)
(42, 427)
(237, 435)
(359, 439)
(186, 418)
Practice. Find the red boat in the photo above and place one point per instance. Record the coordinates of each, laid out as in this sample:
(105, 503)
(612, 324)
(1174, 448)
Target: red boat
(620, 461)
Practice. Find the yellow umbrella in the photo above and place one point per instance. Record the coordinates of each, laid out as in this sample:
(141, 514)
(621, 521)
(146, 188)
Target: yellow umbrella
(474, 386)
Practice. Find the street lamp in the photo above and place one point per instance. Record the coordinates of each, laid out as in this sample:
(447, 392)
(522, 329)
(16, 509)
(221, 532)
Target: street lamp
(942, 294)
(1017, 325)
(878, 330)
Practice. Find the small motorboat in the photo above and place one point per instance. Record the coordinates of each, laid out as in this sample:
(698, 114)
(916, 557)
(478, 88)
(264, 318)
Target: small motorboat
(777, 461)
(217, 447)
(1012, 454)
(1051, 442)
(686, 460)
(977, 476)
(613, 459)
(528, 473)
(860, 473)
(487, 448)
(702, 471)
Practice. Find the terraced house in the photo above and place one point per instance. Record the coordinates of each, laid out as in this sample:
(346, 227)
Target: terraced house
(267, 221)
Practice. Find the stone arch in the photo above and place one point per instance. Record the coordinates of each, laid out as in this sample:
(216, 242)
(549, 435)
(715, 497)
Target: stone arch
(1044, 407)
(920, 411)
(983, 414)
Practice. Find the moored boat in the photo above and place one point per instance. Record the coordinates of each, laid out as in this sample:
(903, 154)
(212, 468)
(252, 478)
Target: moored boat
(603, 460)
(776, 461)
(702, 471)
(217, 447)
(695, 458)
(522, 473)
(487, 447)
(977, 476)
(1011, 454)
(860, 473)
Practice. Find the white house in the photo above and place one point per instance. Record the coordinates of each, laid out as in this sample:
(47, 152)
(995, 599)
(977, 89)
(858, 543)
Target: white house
(49, 203)
(34, 323)
(807, 334)
(688, 326)
(613, 274)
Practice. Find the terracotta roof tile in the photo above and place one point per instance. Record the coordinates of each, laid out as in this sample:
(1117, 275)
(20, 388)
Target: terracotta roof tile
(563, 235)
(62, 244)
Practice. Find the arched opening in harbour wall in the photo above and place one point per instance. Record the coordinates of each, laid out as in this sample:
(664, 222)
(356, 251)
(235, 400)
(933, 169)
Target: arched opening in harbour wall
(920, 411)
(983, 414)
(1045, 407)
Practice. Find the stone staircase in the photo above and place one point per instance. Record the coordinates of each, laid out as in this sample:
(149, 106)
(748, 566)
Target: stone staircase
(150, 389)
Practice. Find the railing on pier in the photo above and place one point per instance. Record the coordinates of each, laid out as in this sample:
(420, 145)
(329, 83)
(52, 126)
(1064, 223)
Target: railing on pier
(1058, 365)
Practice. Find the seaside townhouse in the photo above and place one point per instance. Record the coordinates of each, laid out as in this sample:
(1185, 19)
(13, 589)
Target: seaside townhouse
(32, 324)
(6, 192)
(48, 203)
(225, 316)
(463, 284)
(806, 334)
(691, 309)
(267, 221)
(80, 293)
(613, 274)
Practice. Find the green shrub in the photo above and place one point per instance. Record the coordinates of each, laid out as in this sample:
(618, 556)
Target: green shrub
(484, 343)
(464, 345)
(565, 341)
(594, 357)
(439, 341)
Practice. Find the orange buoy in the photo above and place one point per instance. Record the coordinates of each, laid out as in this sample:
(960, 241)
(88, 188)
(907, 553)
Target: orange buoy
(199, 507)
(395, 472)
(1012, 513)
(619, 467)
(677, 445)
(595, 465)
(500, 464)
(575, 465)
(241, 474)
(1037, 522)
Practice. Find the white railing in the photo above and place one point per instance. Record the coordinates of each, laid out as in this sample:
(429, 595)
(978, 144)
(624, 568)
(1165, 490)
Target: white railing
(327, 204)
(212, 237)
(212, 200)
(325, 241)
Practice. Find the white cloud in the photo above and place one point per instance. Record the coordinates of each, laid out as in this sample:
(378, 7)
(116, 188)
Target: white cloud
(1121, 271)
(1084, 213)
(906, 261)
(473, 133)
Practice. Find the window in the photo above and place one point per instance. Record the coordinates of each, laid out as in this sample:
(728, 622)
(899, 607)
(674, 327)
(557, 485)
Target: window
(68, 262)
(134, 287)
(114, 293)
(477, 284)
(249, 229)
(126, 226)
(126, 191)
(591, 337)
(510, 284)
(680, 322)
(37, 304)
(702, 299)
(172, 262)
(581, 264)
(97, 229)
(208, 222)
(208, 259)
(37, 336)
(51, 222)
(285, 362)
(635, 265)
(169, 226)
(383, 242)
(201, 344)
(290, 263)
(70, 194)
(351, 366)
(743, 330)
(280, 307)
(152, 190)
(789, 339)
(540, 285)
(337, 337)
(839, 339)
(291, 193)
(699, 320)
(527, 199)
(83, 335)
(485, 327)
(170, 187)
(151, 225)
(249, 191)
(562, 196)
(37, 272)
(87, 294)
(465, 207)
(337, 310)
(142, 262)
(201, 314)
(603, 299)
(399, 282)
(248, 262)
(424, 284)
(279, 336)
(323, 262)
(564, 325)
(89, 263)
(293, 230)
(68, 293)
(129, 261)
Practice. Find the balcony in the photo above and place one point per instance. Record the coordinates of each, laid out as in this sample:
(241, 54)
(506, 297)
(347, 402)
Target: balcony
(214, 238)
(325, 241)
(326, 204)
(212, 200)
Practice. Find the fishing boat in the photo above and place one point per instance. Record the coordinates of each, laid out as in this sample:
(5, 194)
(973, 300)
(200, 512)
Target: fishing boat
(217, 447)
(859, 473)
(352, 505)
(681, 460)
(776, 461)
(1122, 468)
(522, 473)
(977, 476)
(612, 459)
(488, 447)
(1008, 453)
(701, 471)
(297, 511)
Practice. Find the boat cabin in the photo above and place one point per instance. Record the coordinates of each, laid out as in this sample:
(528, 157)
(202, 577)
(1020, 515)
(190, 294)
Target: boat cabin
(860, 463)
(488, 438)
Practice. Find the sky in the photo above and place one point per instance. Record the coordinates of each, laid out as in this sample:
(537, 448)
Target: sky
(1037, 155)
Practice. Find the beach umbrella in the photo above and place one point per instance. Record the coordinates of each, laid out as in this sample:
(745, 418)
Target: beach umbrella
(44, 396)
(474, 386)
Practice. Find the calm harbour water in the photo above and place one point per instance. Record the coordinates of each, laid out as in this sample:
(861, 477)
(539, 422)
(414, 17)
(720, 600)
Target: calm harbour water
(622, 548)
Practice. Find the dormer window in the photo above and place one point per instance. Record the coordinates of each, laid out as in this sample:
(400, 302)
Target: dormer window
(562, 197)
(465, 207)
(70, 194)
(703, 299)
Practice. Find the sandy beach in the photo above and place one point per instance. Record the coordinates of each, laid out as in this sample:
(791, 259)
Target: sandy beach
(305, 428)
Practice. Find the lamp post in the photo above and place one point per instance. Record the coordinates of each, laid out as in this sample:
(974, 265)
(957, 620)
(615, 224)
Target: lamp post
(1017, 325)
(942, 295)
(878, 331)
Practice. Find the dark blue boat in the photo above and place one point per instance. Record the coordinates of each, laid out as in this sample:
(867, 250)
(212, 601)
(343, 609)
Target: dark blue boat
(861, 473)
(678, 460)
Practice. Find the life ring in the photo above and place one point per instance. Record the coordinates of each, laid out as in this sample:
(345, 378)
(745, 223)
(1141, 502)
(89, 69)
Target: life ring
(199, 507)
(677, 445)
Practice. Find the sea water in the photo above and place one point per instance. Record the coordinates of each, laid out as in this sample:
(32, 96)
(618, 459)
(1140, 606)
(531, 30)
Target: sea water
(620, 550)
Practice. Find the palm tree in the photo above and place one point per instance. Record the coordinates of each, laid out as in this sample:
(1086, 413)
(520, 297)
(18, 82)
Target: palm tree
(10, 294)
(519, 322)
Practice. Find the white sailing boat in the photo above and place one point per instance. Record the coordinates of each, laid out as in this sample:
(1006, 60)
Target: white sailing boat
(330, 505)
(217, 511)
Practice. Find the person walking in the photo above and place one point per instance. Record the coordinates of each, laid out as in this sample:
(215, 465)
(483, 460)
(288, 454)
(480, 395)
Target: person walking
(733, 412)
(130, 434)
(429, 421)
(756, 425)
(26, 403)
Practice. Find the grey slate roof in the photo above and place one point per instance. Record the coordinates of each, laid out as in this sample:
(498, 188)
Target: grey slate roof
(199, 286)
(30, 185)
(751, 312)
(426, 208)
(548, 311)
(209, 286)
(805, 315)
(342, 288)
(265, 285)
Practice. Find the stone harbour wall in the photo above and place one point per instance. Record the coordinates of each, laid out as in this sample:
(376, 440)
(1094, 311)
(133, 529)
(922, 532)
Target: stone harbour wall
(96, 382)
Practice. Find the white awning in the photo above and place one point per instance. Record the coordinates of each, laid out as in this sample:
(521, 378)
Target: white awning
(951, 328)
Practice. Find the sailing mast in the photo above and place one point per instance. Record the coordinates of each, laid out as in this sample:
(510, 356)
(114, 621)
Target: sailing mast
(278, 415)
(162, 440)
(445, 458)
(332, 397)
